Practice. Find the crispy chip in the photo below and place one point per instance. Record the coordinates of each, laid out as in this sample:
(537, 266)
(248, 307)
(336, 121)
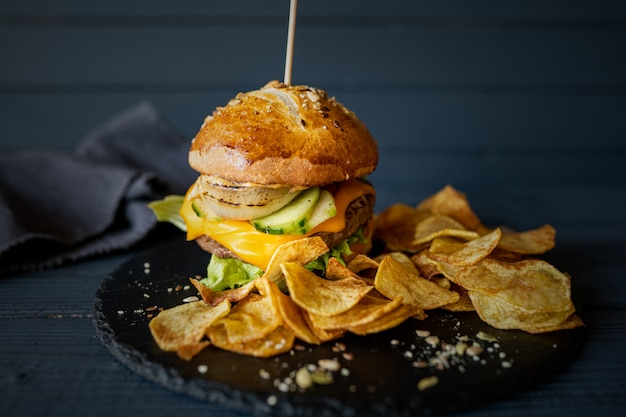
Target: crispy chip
(368, 309)
(181, 329)
(464, 303)
(528, 295)
(396, 280)
(300, 251)
(442, 281)
(501, 314)
(465, 254)
(251, 318)
(323, 335)
(426, 266)
(452, 203)
(402, 258)
(322, 296)
(336, 270)
(280, 340)
(361, 263)
(438, 225)
(388, 321)
(291, 313)
(396, 225)
(530, 242)
(216, 297)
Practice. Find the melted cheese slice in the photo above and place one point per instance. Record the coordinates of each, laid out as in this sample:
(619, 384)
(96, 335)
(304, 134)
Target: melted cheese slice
(255, 247)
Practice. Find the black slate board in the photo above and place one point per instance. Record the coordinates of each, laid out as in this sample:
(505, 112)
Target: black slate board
(380, 379)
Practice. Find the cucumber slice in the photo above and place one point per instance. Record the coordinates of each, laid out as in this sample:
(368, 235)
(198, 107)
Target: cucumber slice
(292, 218)
(324, 210)
(202, 211)
(196, 206)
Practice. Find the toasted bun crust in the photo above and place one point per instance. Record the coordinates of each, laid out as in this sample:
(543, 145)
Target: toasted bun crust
(284, 135)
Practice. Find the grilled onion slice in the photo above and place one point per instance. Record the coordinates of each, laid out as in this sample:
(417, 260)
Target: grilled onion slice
(237, 201)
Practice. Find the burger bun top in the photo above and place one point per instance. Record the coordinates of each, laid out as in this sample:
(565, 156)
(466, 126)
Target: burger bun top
(283, 135)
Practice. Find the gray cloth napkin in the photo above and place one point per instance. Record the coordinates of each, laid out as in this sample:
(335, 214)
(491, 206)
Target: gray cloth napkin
(58, 207)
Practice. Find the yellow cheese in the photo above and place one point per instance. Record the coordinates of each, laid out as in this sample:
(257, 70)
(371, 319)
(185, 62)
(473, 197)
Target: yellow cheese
(255, 247)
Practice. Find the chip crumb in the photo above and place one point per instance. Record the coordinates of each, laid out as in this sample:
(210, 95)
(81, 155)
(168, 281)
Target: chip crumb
(422, 333)
(190, 299)
(428, 382)
(420, 364)
(506, 364)
(271, 400)
(322, 378)
(304, 379)
(432, 340)
(329, 364)
(486, 337)
(203, 369)
(473, 350)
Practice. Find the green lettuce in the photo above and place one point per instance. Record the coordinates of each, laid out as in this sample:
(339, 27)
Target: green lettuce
(226, 273)
(167, 210)
(338, 251)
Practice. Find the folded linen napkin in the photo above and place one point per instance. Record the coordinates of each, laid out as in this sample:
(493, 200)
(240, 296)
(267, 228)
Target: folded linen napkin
(58, 207)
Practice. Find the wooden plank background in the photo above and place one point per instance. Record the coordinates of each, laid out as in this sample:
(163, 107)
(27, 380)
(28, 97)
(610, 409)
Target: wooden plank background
(488, 96)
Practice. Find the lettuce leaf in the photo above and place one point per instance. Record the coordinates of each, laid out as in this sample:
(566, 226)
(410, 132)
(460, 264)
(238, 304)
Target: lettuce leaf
(338, 251)
(167, 210)
(226, 273)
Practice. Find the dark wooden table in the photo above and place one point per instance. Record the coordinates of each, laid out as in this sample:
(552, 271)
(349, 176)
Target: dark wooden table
(521, 107)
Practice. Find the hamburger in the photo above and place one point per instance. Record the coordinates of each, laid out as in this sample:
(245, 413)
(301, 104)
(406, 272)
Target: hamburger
(276, 164)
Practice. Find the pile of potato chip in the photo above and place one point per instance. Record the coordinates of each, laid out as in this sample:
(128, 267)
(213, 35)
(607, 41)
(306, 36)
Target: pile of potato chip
(436, 255)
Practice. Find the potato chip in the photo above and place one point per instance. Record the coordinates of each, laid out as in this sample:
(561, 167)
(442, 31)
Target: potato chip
(251, 318)
(464, 254)
(280, 340)
(322, 334)
(291, 313)
(452, 203)
(396, 225)
(216, 297)
(442, 282)
(464, 303)
(525, 295)
(402, 258)
(388, 321)
(336, 270)
(425, 265)
(501, 314)
(438, 225)
(322, 296)
(181, 328)
(361, 263)
(396, 280)
(530, 242)
(300, 251)
(366, 310)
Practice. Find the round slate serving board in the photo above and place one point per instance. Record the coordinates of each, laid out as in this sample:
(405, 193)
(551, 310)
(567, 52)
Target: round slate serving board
(379, 375)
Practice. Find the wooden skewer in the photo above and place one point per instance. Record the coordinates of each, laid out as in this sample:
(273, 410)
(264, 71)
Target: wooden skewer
(290, 40)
